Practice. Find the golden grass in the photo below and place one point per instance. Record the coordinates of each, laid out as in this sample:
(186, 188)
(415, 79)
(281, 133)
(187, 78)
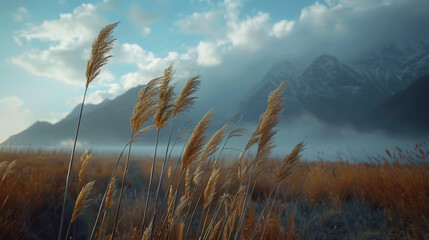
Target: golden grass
(99, 53)
(82, 200)
(402, 189)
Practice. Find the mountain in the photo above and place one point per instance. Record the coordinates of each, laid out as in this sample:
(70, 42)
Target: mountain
(327, 89)
(104, 123)
(256, 102)
(407, 110)
(395, 66)
(342, 93)
(335, 92)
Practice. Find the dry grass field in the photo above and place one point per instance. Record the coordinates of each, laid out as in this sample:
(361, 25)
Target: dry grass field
(391, 195)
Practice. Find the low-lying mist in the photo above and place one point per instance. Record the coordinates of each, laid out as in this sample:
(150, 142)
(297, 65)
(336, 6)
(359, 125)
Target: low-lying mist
(322, 140)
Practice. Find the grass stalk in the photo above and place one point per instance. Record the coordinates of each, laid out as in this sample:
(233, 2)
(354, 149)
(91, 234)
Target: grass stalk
(150, 184)
(71, 165)
(193, 197)
(105, 192)
(219, 207)
(262, 213)
(122, 190)
(164, 165)
(269, 213)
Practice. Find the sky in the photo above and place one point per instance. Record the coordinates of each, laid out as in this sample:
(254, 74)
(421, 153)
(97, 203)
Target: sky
(44, 45)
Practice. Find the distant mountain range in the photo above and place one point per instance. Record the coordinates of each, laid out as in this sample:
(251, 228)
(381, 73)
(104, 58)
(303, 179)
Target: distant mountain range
(104, 123)
(340, 93)
(377, 91)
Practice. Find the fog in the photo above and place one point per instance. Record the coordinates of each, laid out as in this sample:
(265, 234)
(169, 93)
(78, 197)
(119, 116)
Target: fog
(322, 141)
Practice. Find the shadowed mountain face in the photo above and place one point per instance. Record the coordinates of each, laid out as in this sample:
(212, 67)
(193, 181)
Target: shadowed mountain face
(334, 92)
(104, 123)
(407, 110)
(339, 93)
(374, 92)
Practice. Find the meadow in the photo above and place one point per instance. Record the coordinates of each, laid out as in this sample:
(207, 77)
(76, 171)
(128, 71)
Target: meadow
(384, 198)
(201, 195)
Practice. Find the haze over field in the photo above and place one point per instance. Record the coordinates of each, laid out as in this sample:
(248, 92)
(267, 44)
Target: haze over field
(357, 71)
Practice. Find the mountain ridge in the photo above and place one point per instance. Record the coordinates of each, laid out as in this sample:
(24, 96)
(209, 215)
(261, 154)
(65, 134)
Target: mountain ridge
(335, 92)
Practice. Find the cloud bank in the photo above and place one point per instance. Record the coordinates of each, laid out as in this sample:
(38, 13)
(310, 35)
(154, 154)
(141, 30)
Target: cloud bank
(234, 49)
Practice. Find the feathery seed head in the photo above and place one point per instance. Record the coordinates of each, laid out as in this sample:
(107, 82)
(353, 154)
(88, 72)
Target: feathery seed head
(169, 172)
(289, 162)
(99, 54)
(165, 106)
(196, 141)
(82, 200)
(240, 197)
(255, 135)
(198, 173)
(185, 101)
(84, 159)
(213, 144)
(209, 191)
(239, 170)
(270, 119)
(145, 105)
(187, 183)
(9, 170)
(170, 196)
(111, 194)
(179, 212)
(237, 132)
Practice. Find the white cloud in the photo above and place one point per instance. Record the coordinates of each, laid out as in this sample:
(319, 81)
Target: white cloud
(69, 39)
(314, 14)
(155, 68)
(201, 23)
(20, 14)
(207, 54)
(232, 9)
(71, 30)
(100, 95)
(131, 53)
(281, 28)
(251, 33)
(63, 65)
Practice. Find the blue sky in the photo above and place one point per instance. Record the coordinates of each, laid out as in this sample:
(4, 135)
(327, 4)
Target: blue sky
(45, 44)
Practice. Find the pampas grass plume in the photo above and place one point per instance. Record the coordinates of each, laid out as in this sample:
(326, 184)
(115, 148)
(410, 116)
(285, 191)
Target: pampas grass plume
(289, 162)
(196, 141)
(99, 54)
(110, 194)
(165, 109)
(82, 200)
(9, 170)
(209, 191)
(185, 101)
(84, 159)
(145, 106)
(213, 144)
